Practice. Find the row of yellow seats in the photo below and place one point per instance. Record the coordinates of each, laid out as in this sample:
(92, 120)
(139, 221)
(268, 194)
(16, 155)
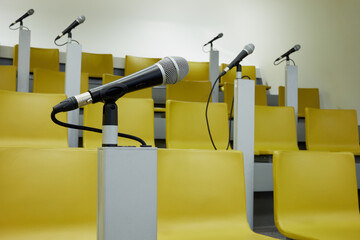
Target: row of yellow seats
(52, 194)
(26, 122)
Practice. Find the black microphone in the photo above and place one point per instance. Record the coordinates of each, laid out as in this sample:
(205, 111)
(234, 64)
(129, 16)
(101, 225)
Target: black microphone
(215, 38)
(248, 49)
(169, 70)
(78, 21)
(294, 49)
(28, 13)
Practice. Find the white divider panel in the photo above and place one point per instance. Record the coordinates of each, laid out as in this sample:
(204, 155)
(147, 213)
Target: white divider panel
(23, 60)
(127, 193)
(244, 119)
(214, 73)
(72, 87)
(291, 88)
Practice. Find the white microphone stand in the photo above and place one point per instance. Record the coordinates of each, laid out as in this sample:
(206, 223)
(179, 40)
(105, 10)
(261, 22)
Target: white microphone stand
(23, 82)
(291, 86)
(214, 72)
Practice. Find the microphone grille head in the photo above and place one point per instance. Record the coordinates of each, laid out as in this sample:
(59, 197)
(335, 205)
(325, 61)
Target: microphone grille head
(30, 12)
(249, 48)
(175, 68)
(81, 19)
(220, 35)
(297, 47)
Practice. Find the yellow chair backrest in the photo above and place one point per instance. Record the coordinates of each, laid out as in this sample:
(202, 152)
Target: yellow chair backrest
(260, 95)
(8, 78)
(191, 91)
(201, 195)
(230, 76)
(186, 125)
(134, 64)
(48, 193)
(315, 190)
(198, 71)
(331, 130)
(97, 64)
(307, 97)
(25, 120)
(49, 81)
(275, 129)
(143, 93)
(135, 117)
(47, 58)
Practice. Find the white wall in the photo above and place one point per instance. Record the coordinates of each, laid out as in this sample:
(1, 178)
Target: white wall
(327, 31)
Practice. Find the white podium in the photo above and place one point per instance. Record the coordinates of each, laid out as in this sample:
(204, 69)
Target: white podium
(214, 73)
(23, 70)
(291, 87)
(127, 193)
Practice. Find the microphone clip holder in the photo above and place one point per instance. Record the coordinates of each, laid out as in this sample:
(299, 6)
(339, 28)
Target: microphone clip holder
(110, 124)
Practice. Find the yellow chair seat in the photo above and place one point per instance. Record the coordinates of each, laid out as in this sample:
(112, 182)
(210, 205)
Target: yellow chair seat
(201, 196)
(48, 194)
(316, 195)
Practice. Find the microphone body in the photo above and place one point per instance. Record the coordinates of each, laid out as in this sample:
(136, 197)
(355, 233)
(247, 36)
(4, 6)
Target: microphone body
(169, 70)
(215, 38)
(28, 13)
(294, 49)
(248, 49)
(78, 21)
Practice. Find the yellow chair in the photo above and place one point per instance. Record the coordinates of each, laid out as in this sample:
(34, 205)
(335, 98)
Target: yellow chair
(315, 195)
(8, 78)
(186, 125)
(332, 130)
(201, 195)
(49, 81)
(48, 193)
(97, 64)
(191, 91)
(230, 76)
(198, 71)
(134, 64)
(275, 129)
(307, 97)
(143, 93)
(47, 58)
(135, 117)
(25, 120)
(260, 95)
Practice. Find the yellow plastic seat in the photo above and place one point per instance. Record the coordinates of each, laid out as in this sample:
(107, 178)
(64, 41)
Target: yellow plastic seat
(134, 64)
(49, 81)
(48, 193)
(8, 78)
(230, 76)
(135, 117)
(275, 129)
(307, 97)
(97, 64)
(201, 196)
(25, 120)
(332, 130)
(260, 95)
(315, 195)
(47, 58)
(191, 91)
(198, 71)
(143, 93)
(186, 125)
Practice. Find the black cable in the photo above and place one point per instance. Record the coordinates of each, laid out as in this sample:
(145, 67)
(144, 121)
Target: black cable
(68, 125)
(63, 44)
(206, 112)
(275, 63)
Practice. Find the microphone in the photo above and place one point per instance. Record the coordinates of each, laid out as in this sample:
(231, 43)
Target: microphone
(78, 21)
(248, 49)
(28, 13)
(294, 49)
(169, 70)
(215, 38)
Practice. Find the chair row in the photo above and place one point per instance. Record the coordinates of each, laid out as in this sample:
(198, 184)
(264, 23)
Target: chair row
(26, 122)
(52, 194)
